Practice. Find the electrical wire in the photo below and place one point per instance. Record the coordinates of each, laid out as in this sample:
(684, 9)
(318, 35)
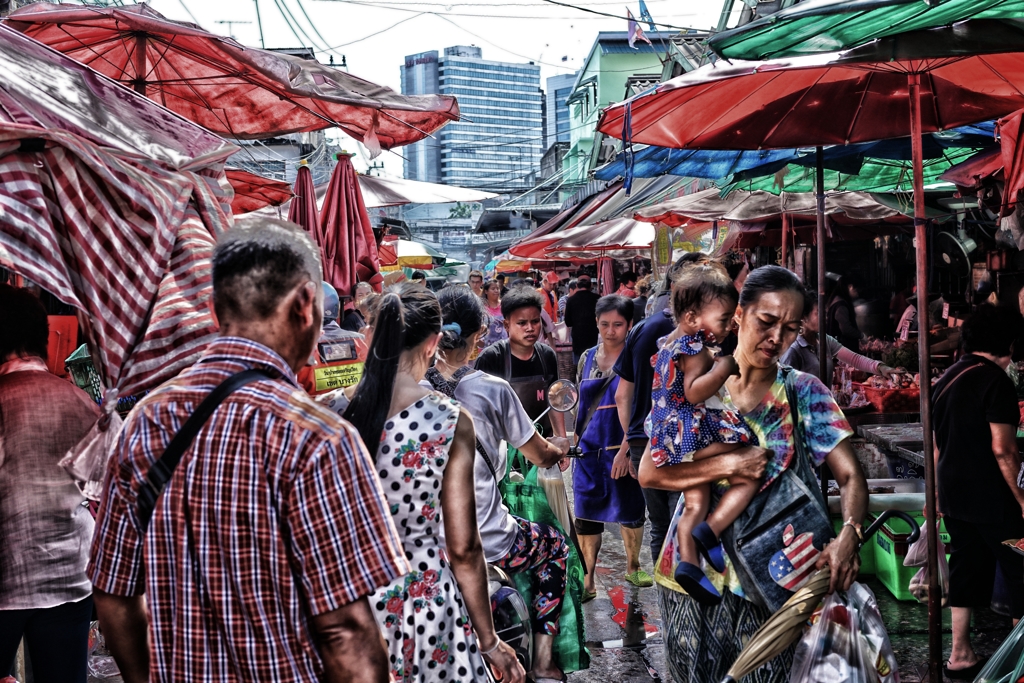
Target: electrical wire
(614, 16)
(189, 12)
(377, 33)
(313, 26)
(283, 7)
(375, 5)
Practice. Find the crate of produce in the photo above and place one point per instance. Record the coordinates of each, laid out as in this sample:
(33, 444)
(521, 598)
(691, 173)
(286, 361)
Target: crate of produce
(893, 400)
(890, 544)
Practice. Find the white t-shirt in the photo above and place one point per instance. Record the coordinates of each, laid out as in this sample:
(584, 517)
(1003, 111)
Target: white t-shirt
(498, 416)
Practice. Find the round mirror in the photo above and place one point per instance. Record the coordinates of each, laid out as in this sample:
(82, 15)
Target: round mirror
(563, 395)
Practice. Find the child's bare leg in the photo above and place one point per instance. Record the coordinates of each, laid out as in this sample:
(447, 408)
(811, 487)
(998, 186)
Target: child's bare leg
(696, 502)
(732, 504)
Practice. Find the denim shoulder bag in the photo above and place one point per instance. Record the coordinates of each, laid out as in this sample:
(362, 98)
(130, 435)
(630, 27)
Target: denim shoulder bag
(777, 540)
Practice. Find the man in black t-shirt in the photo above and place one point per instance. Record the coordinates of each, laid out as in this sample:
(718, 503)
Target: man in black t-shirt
(975, 415)
(581, 318)
(528, 366)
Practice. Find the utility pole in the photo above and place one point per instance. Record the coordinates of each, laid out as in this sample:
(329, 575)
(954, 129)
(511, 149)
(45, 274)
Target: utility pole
(231, 26)
(259, 22)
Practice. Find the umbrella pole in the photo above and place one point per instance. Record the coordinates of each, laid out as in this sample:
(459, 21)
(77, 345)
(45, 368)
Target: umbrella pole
(140, 64)
(785, 240)
(924, 361)
(819, 184)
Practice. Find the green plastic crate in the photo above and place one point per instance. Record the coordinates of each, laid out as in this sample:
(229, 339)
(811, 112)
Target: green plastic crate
(890, 546)
(867, 552)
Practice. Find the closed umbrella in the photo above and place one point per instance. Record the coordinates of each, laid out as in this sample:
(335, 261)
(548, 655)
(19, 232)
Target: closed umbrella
(302, 209)
(254, 192)
(236, 91)
(907, 84)
(346, 239)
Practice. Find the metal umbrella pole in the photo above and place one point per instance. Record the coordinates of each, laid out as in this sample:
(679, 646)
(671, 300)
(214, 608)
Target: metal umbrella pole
(924, 368)
(819, 184)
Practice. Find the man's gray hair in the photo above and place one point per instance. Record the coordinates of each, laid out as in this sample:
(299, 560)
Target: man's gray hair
(258, 262)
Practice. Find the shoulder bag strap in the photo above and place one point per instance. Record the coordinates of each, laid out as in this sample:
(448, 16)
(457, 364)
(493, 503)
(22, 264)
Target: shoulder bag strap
(506, 352)
(955, 378)
(163, 469)
(438, 381)
(595, 402)
(801, 454)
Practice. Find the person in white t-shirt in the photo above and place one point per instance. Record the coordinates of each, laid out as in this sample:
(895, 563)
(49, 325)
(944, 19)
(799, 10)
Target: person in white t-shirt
(511, 543)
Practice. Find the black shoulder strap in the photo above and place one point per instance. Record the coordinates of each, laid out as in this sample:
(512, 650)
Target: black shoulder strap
(955, 378)
(506, 353)
(447, 387)
(163, 469)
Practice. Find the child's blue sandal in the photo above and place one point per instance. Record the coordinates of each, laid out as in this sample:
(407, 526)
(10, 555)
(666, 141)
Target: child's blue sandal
(709, 546)
(697, 585)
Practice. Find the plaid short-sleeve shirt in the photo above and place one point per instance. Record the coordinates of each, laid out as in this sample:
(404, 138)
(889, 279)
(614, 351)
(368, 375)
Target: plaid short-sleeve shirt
(284, 509)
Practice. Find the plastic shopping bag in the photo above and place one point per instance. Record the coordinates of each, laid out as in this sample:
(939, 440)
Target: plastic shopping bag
(847, 643)
(1007, 660)
(86, 462)
(917, 556)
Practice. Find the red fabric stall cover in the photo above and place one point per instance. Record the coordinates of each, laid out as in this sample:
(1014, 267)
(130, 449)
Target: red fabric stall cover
(302, 209)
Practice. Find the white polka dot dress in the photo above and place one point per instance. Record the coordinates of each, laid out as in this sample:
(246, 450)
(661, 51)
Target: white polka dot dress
(422, 615)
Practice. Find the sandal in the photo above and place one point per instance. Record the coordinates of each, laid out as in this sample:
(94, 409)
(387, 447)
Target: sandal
(697, 585)
(588, 596)
(968, 674)
(709, 546)
(640, 579)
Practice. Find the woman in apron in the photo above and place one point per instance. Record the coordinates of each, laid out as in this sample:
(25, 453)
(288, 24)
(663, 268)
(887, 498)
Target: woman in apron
(603, 489)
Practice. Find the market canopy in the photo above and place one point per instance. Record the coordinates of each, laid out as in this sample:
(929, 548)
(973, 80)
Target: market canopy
(235, 91)
(254, 192)
(113, 204)
(968, 73)
(399, 253)
(760, 206)
(718, 163)
(379, 192)
(818, 26)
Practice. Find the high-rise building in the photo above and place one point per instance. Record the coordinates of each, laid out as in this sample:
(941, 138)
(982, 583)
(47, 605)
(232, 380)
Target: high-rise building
(557, 92)
(498, 144)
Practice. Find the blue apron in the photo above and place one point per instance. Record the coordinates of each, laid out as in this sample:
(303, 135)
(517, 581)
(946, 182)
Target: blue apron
(598, 497)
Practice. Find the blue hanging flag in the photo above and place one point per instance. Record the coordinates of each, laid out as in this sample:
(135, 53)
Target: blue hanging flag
(645, 15)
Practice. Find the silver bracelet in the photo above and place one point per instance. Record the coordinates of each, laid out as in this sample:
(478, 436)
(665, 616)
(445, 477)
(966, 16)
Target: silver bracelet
(492, 650)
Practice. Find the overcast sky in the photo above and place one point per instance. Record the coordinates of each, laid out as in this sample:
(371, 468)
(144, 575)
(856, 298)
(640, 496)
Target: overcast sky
(375, 35)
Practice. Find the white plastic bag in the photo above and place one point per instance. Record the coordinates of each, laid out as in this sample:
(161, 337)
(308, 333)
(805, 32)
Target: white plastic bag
(847, 644)
(550, 479)
(917, 556)
(86, 462)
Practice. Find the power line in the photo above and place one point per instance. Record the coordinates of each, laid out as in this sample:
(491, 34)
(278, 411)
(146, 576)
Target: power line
(189, 12)
(313, 26)
(377, 33)
(614, 16)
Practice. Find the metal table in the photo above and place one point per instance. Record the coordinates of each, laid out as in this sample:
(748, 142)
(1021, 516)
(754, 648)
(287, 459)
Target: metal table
(902, 440)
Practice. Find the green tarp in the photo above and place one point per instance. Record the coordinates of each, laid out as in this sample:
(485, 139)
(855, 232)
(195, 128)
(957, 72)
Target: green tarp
(817, 27)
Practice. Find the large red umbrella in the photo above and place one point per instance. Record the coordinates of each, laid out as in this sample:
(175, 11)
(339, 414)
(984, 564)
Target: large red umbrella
(346, 239)
(302, 210)
(254, 192)
(232, 90)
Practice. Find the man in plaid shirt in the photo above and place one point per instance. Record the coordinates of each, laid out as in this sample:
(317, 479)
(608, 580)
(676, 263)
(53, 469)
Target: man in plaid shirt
(274, 529)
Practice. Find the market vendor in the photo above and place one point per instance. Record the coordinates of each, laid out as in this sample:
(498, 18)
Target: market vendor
(803, 354)
(975, 415)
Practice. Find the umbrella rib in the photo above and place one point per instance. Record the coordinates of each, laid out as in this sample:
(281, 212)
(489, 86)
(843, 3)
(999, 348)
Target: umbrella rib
(799, 100)
(860, 107)
(999, 75)
(92, 49)
(935, 100)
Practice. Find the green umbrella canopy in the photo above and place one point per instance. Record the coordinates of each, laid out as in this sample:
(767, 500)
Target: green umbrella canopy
(819, 26)
(876, 175)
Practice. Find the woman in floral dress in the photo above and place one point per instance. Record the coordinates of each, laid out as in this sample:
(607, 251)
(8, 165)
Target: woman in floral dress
(436, 620)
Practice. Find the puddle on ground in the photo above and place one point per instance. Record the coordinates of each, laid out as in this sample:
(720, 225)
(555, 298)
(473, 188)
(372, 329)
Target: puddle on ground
(631, 617)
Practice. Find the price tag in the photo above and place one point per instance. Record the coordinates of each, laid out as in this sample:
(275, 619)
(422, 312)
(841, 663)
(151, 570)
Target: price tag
(945, 311)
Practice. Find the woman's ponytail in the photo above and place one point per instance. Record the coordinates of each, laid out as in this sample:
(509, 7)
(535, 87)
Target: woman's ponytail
(368, 410)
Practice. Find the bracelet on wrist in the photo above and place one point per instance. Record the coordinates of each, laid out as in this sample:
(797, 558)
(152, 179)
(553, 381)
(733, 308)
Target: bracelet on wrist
(497, 643)
(856, 529)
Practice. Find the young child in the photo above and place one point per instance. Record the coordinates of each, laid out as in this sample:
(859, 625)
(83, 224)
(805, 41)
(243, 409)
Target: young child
(692, 417)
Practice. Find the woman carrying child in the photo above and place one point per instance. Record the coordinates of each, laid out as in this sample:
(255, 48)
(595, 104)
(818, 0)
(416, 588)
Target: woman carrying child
(692, 417)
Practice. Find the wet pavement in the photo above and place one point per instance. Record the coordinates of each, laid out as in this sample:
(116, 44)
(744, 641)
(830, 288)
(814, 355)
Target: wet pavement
(623, 625)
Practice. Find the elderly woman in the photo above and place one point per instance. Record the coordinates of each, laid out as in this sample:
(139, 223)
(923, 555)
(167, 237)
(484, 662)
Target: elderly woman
(703, 642)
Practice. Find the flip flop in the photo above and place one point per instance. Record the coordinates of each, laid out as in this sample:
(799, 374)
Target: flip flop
(640, 579)
(588, 596)
(709, 546)
(697, 585)
(968, 674)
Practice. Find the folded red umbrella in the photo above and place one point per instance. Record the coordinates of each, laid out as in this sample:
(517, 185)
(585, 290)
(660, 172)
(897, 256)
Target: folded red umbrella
(254, 192)
(302, 210)
(238, 92)
(345, 237)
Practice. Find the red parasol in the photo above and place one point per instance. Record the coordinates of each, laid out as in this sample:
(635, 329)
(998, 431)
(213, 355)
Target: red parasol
(346, 240)
(302, 210)
(232, 90)
(254, 192)
(1010, 134)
